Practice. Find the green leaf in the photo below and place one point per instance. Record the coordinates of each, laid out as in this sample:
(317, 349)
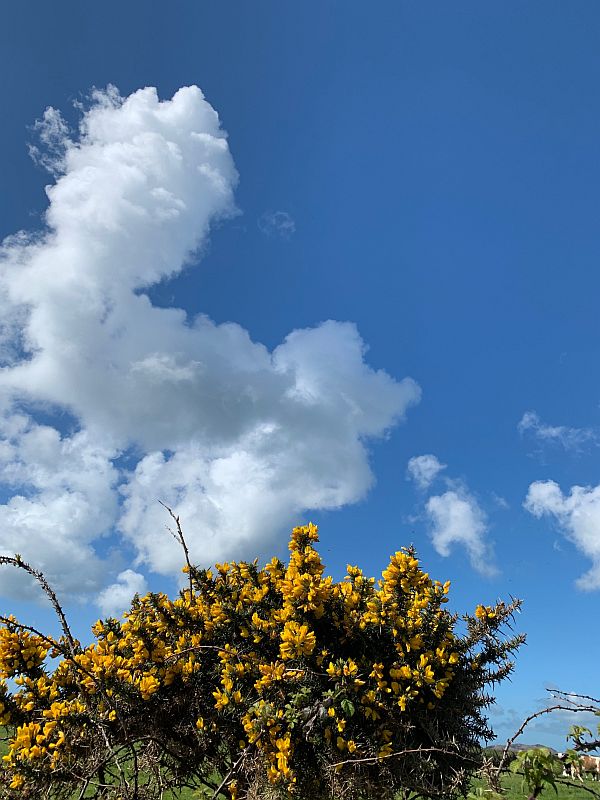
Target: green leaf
(347, 707)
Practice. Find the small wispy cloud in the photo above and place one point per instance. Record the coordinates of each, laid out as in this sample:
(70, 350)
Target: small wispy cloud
(53, 134)
(500, 501)
(423, 470)
(454, 517)
(457, 519)
(277, 223)
(568, 438)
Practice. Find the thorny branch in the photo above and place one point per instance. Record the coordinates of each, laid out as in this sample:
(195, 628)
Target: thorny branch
(231, 772)
(580, 785)
(179, 537)
(17, 561)
(590, 705)
(568, 695)
(412, 751)
(529, 719)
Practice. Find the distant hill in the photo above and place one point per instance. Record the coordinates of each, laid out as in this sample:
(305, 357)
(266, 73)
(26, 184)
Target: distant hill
(515, 748)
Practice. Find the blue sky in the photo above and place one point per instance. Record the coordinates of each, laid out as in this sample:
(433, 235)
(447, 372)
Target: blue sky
(428, 172)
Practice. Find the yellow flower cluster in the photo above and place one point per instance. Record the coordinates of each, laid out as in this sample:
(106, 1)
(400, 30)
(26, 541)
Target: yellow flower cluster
(485, 613)
(5, 704)
(267, 659)
(20, 651)
(296, 640)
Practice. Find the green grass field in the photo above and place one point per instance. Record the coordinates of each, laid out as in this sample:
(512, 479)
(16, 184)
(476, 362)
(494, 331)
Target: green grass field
(512, 785)
(514, 789)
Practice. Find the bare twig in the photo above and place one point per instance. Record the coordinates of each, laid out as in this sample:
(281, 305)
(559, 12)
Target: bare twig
(530, 718)
(17, 561)
(568, 695)
(227, 777)
(412, 751)
(179, 537)
(578, 786)
(573, 706)
(84, 788)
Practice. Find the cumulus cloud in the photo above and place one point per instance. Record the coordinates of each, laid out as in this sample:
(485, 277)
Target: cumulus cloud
(578, 517)
(63, 499)
(277, 223)
(561, 435)
(456, 518)
(116, 598)
(424, 470)
(307, 451)
(239, 440)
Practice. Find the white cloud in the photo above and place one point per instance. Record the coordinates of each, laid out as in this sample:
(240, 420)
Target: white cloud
(63, 500)
(277, 223)
(116, 598)
(562, 435)
(240, 441)
(456, 518)
(500, 501)
(424, 469)
(305, 450)
(53, 134)
(578, 516)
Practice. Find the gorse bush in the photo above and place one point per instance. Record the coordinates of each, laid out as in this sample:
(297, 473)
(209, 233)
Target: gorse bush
(271, 682)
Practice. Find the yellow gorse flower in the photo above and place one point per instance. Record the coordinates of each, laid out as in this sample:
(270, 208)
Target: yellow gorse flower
(485, 613)
(296, 640)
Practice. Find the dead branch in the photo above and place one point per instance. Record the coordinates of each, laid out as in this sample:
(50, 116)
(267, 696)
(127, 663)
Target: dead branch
(17, 561)
(568, 695)
(179, 537)
(530, 718)
(412, 751)
(231, 772)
